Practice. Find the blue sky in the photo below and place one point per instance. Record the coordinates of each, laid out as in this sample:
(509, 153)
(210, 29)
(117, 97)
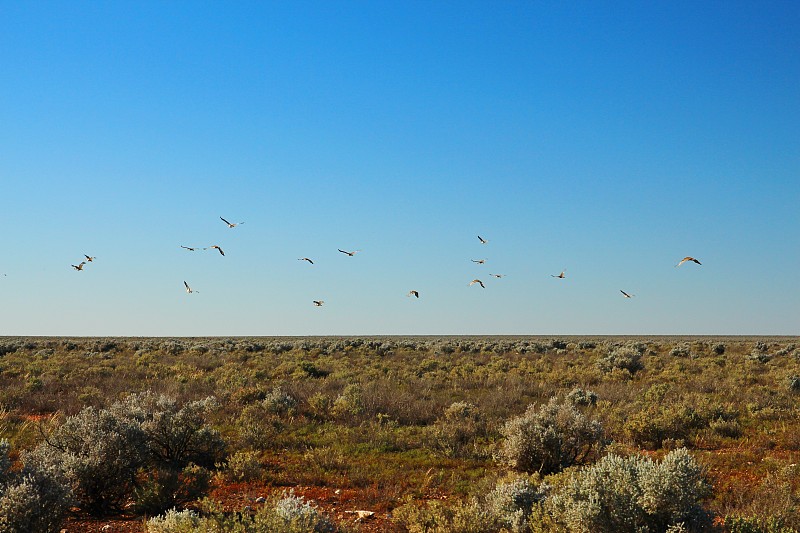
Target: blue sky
(610, 139)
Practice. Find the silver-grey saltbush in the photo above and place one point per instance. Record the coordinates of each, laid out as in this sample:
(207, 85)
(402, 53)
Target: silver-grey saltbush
(549, 439)
(633, 495)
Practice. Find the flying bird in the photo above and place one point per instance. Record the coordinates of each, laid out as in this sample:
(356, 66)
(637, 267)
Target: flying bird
(483, 241)
(230, 225)
(306, 259)
(479, 282)
(319, 303)
(498, 276)
(413, 293)
(79, 266)
(479, 261)
(560, 276)
(188, 288)
(687, 258)
(88, 258)
(188, 248)
(626, 295)
(217, 247)
(351, 254)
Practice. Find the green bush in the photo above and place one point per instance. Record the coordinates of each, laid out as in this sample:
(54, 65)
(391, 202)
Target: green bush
(512, 503)
(625, 357)
(243, 466)
(737, 524)
(454, 434)
(436, 517)
(548, 439)
(104, 454)
(633, 494)
(288, 514)
(174, 435)
(580, 397)
(99, 453)
(165, 488)
(32, 501)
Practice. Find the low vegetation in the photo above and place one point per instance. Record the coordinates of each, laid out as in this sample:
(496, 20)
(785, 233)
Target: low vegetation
(448, 434)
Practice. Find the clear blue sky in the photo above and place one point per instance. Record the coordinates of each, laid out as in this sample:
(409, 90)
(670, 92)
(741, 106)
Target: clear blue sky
(608, 138)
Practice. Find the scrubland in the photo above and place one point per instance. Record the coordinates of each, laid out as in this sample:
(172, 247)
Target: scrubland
(431, 434)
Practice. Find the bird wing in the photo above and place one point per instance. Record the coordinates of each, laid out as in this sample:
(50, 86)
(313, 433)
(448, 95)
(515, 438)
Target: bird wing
(186, 284)
(225, 221)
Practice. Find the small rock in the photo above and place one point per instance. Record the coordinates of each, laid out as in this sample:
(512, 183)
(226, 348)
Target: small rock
(261, 499)
(362, 515)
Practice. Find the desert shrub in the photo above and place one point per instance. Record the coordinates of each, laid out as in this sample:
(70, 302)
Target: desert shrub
(174, 521)
(681, 350)
(174, 435)
(165, 488)
(105, 453)
(580, 397)
(8, 347)
(243, 466)
(5, 462)
(311, 370)
(726, 427)
(436, 517)
(759, 357)
(320, 405)
(754, 524)
(718, 348)
(454, 434)
(32, 501)
(294, 513)
(512, 503)
(794, 383)
(279, 402)
(773, 506)
(625, 357)
(633, 494)
(258, 428)
(350, 403)
(548, 439)
(288, 514)
(654, 424)
(99, 453)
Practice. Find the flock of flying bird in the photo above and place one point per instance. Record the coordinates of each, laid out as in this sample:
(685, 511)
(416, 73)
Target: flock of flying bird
(414, 293)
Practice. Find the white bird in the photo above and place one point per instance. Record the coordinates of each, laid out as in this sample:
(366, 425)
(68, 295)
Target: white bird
(413, 293)
(79, 266)
(88, 258)
(319, 303)
(479, 261)
(306, 259)
(189, 289)
(560, 276)
(351, 254)
(626, 295)
(479, 282)
(217, 247)
(483, 241)
(687, 258)
(230, 225)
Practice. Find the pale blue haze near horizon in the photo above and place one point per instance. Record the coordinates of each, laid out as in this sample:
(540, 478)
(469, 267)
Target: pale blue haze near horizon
(608, 138)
